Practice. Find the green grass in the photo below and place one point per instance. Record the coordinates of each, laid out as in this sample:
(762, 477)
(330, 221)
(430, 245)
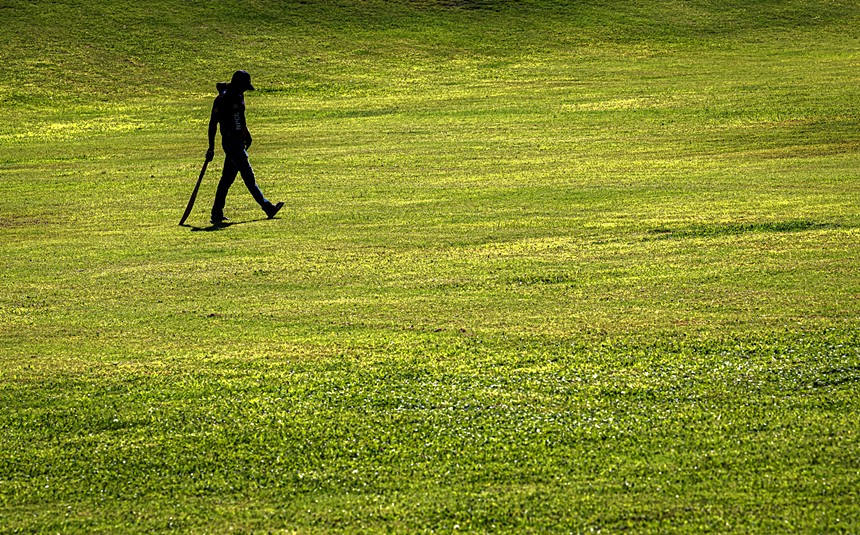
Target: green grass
(544, 266)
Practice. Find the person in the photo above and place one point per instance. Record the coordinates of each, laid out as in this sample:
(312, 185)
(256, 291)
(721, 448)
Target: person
(228, 111)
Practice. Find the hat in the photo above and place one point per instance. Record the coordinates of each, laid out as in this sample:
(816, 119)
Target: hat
(241, 79)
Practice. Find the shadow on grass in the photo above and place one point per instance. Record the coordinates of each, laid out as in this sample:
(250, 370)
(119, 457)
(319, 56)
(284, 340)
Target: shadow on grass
(222, 226)
(734, 229)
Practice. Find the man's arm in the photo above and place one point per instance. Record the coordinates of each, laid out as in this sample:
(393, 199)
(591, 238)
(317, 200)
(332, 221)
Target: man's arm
(246, 134)
(213, 129)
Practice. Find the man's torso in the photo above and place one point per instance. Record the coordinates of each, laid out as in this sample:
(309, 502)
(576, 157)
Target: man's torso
(230, 111)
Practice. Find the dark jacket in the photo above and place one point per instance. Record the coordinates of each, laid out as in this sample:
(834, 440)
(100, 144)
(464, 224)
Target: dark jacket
(229, 111)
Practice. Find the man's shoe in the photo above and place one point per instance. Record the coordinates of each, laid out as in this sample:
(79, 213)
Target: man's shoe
(220, 220)
(273, 209)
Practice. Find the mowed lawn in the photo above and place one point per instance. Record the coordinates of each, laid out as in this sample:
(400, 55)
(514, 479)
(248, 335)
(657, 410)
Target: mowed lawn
(543, 267)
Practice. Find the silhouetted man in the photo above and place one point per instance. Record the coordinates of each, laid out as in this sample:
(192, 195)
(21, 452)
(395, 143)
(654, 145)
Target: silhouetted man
(229, 112)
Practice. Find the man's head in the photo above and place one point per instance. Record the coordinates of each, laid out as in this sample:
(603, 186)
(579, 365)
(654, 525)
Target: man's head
(242, 81)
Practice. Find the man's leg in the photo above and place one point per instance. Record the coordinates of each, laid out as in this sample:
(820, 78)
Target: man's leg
(250, 180)
(251, 183)
(228, 176)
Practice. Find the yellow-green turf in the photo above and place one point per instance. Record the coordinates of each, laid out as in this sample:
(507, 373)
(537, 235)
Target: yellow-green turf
(544, 266)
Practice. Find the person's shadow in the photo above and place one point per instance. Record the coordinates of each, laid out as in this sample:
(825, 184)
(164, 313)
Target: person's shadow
(221, 226)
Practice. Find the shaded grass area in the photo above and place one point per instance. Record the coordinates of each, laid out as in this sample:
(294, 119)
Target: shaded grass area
(164, 48)
(731, 229)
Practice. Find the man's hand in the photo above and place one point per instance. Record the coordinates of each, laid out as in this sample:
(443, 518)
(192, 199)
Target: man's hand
(248, 141)
(210, 154)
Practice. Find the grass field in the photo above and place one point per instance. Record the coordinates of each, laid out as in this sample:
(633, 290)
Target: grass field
(544, 266)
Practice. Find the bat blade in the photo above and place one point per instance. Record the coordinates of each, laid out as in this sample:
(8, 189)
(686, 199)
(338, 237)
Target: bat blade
(193, 194)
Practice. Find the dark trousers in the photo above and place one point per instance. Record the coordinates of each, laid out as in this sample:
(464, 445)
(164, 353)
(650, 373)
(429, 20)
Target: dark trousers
(236, 162)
